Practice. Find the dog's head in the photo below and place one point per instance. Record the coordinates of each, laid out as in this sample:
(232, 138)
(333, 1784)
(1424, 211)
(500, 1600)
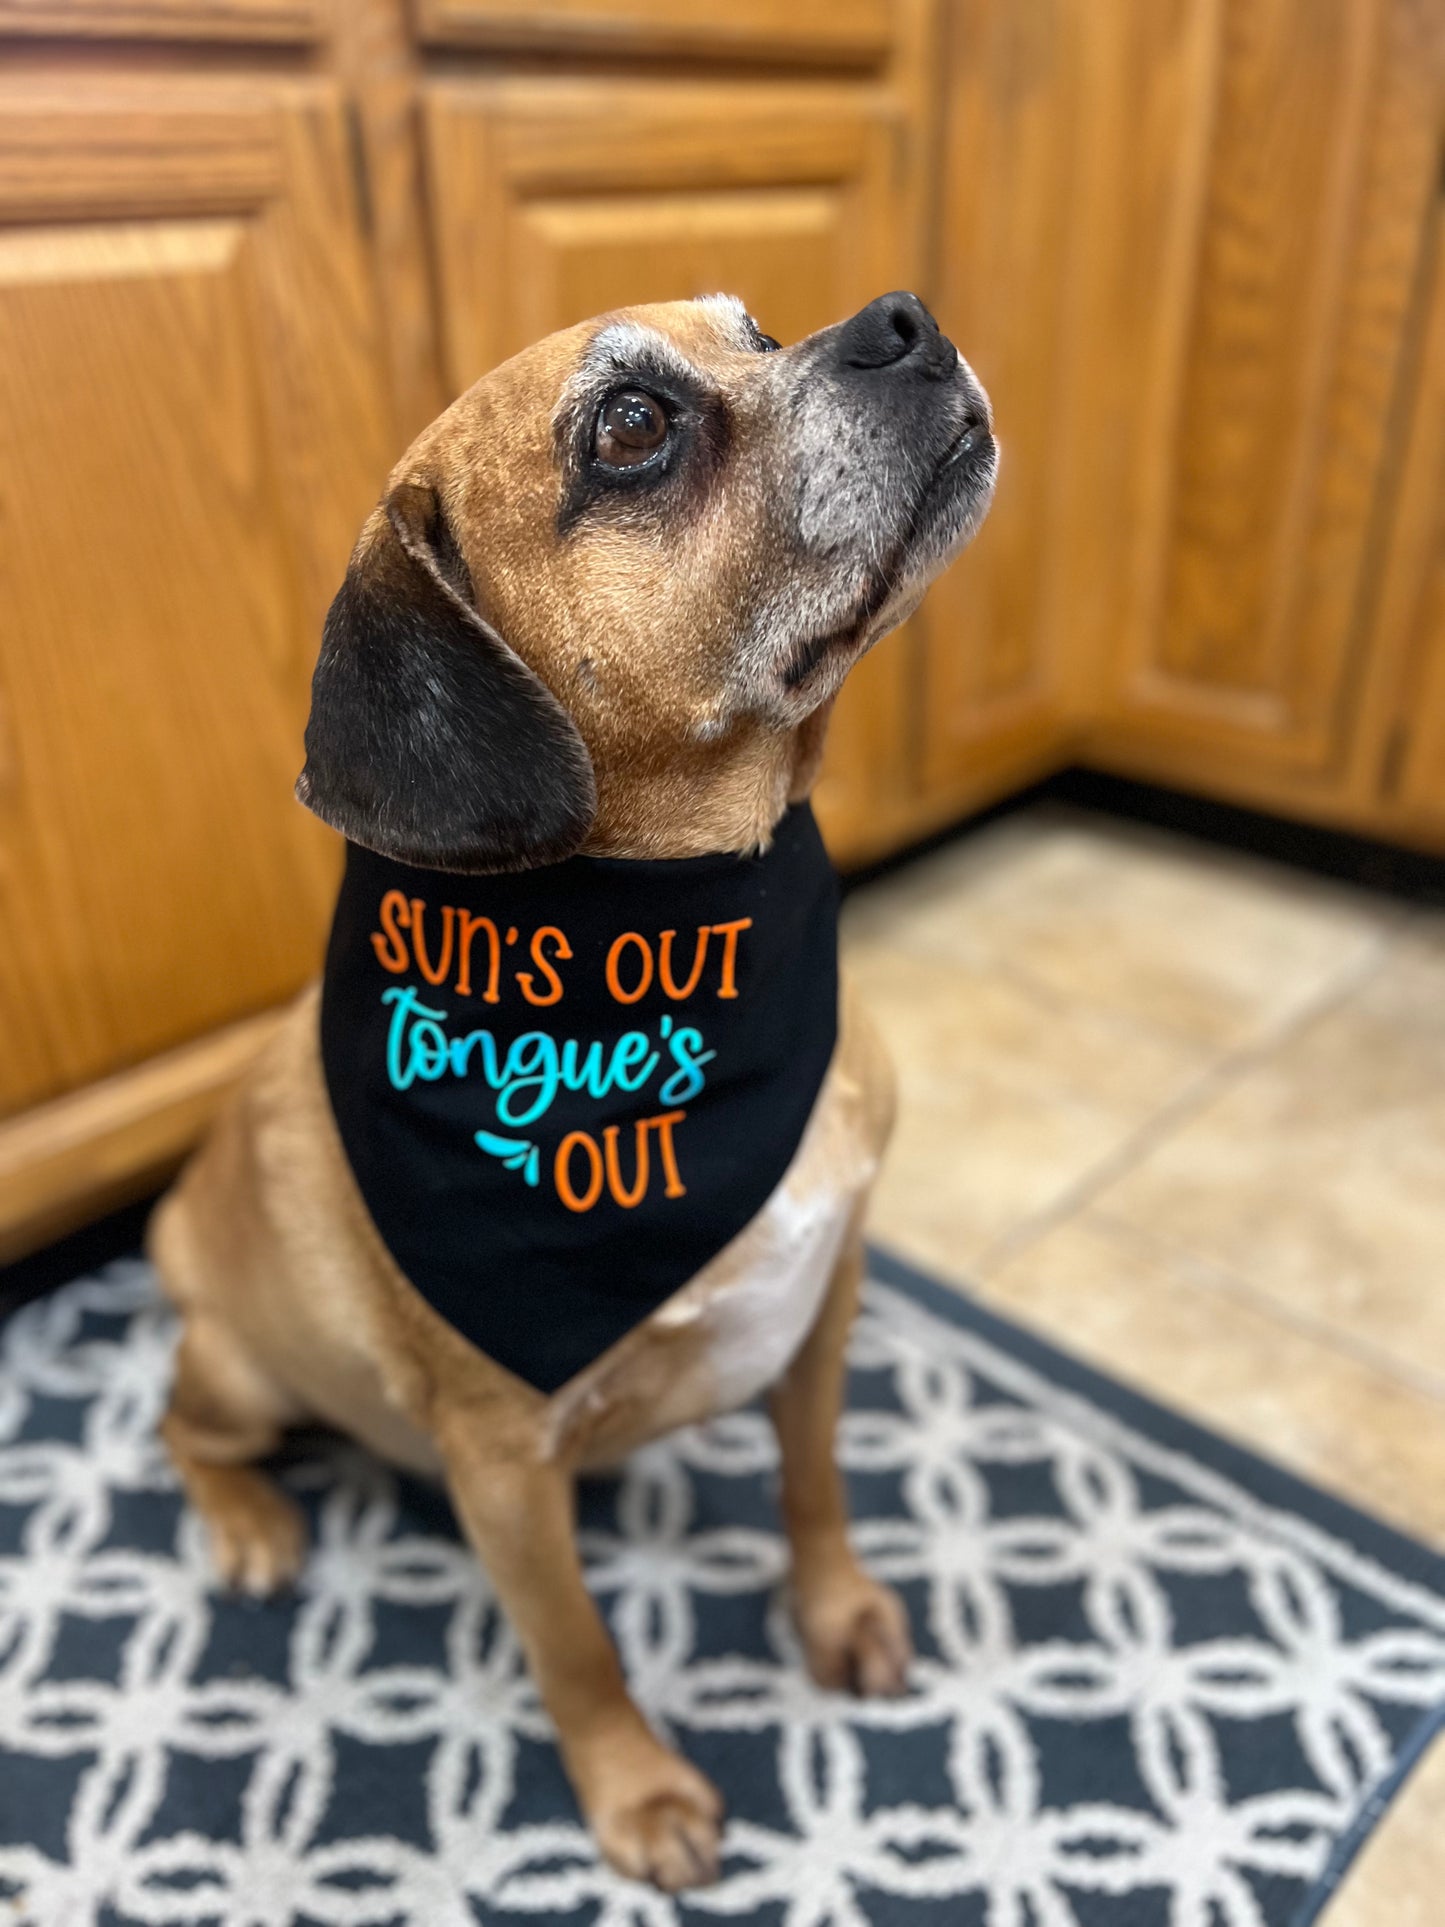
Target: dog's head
(654, 542)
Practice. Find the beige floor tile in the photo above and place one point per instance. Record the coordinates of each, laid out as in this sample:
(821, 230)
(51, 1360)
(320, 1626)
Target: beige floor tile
(1006, 1100)
(1333, 1419)
(1161, 931)
(1399, 1879)
(1057, 992)
(1318, 1179)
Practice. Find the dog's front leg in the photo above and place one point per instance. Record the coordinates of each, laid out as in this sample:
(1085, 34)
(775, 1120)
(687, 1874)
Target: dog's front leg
(654, 1816)
(854, 1628)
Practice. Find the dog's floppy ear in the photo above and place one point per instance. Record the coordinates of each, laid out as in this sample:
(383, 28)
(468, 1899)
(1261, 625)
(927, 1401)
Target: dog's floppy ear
(430, 740)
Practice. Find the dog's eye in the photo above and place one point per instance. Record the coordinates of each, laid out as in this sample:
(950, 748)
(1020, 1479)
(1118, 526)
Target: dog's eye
(768, 344)
(630, 429)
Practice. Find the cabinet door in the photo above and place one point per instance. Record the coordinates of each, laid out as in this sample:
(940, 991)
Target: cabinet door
(1314, 168)
(1065, 160)
(191, 437)
(555, 201)
(1010, 136)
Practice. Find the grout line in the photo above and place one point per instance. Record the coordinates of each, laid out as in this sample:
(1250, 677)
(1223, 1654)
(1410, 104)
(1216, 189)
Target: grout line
(1195, 1097)
(1208, 1274)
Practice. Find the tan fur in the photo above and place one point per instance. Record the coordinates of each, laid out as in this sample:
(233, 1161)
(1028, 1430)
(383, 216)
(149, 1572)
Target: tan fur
(294, 1311)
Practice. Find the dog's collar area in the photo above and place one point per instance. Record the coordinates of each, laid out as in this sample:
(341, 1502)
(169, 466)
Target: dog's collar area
(563, 1091)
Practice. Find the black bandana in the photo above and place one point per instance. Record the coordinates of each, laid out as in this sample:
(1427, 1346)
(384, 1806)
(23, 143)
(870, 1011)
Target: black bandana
(563, 1091)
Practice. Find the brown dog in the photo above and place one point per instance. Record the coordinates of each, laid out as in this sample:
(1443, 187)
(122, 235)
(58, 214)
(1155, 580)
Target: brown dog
(687, 537)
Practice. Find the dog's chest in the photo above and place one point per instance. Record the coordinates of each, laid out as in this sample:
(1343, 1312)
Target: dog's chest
(733, 1330)
(753, 1323)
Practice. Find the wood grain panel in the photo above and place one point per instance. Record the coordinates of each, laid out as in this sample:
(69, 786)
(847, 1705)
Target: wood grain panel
(583, 256)
(192, 436)
(822, 30)
(553, 202)
(1009, 156)
(1073, 143)
(1146, 75)
(234, 20)
(1245, 640)
(1295, 80)
(1292, 709)
(81, 144)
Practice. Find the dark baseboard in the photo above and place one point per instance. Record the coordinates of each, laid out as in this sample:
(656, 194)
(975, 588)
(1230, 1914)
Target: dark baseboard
(94, 1245)
(1409, 875)
(950, 833)
(1360, 860)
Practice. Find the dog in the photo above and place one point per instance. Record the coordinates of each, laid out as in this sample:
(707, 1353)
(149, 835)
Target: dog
(599, 618)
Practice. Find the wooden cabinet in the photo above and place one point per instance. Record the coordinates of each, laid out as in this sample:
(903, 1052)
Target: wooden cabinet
(192, 432)
(1238, 657)
(1186, 247)
(234, 277)
(555, 200)
(1276, 419)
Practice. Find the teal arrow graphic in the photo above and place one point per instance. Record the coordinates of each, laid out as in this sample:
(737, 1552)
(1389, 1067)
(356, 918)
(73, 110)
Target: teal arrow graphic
(516, 1153)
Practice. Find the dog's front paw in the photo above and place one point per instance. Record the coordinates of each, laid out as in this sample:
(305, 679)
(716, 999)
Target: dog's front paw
(258, 1537)
(658, 1819)
(855, 1636)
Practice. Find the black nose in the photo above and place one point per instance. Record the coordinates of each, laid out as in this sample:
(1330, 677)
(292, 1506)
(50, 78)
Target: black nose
(896, 331)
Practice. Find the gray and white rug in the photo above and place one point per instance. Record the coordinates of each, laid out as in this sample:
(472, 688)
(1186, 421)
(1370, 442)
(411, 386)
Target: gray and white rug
(1160, 1683)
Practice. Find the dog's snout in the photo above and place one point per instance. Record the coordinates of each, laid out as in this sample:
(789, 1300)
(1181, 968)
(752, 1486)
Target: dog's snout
(896, 332)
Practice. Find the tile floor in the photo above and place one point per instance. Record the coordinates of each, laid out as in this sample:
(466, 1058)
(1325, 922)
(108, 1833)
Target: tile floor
(1183, 1110)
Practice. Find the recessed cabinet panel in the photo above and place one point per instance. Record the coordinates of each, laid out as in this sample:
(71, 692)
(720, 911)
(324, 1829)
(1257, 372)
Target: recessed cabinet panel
(1284, 170)
(554, 202)
(1275, 423)
(191, 437)
(778, 247)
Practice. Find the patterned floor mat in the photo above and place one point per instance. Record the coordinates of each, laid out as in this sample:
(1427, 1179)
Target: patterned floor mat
(1160, 1683)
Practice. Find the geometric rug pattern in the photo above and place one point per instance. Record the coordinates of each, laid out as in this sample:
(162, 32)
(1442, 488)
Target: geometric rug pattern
(1159, 1683)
